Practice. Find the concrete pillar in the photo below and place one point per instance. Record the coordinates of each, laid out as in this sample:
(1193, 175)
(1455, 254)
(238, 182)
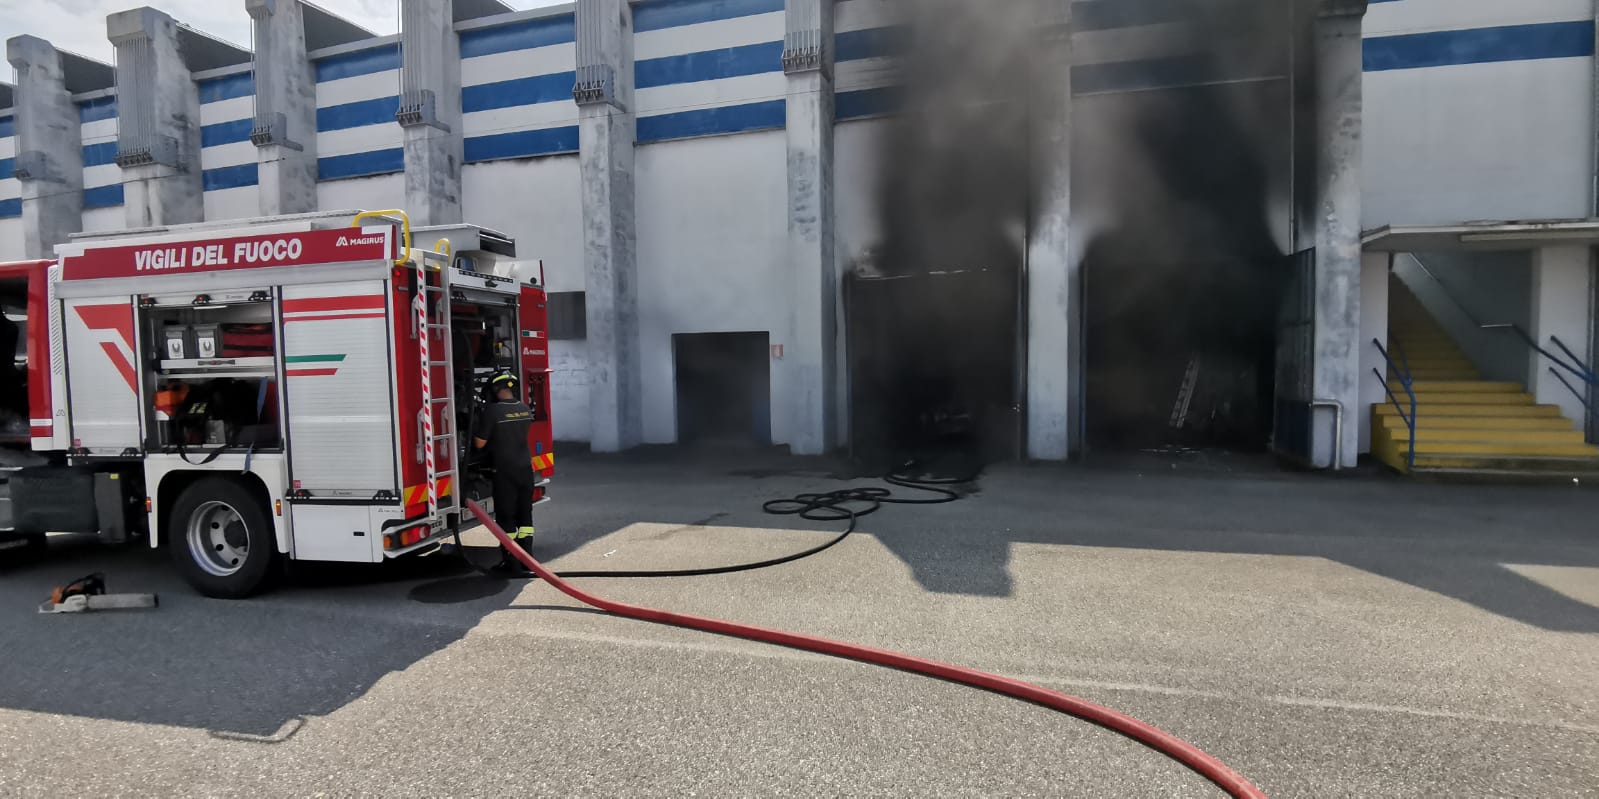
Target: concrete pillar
(1561, 291)
(49, 153)
(284, 131)
(606, 133)
(1336, 373)
(805, 379)
(1053, 304)
(1373, 327)
(158, 112)
(430, 110)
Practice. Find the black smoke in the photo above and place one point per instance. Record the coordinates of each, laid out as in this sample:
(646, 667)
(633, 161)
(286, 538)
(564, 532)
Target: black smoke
(1182, 175)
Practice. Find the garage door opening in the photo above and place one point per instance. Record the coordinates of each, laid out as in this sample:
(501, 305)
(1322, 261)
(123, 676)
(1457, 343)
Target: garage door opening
(1187, 361)
(932, 368)
(724, 394)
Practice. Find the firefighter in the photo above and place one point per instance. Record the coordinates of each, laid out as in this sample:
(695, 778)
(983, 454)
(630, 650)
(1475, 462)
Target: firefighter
(502, 428)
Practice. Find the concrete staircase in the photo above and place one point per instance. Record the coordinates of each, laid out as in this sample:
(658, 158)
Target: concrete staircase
(1466, 424)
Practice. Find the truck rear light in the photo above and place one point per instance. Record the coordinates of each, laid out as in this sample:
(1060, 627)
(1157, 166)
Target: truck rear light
(149, 505)
(406, 537)
(277, 507)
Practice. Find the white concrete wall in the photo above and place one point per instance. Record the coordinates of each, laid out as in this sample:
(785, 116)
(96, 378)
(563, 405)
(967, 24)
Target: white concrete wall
(1476, 289)
(1562, 289)
(1373, 326)
(11, 239)
(100, 220)
(536, 202)
(374, 193)
(1510, 137)
(569, 391)
(711, 248)
(235, 203)
(855, 186)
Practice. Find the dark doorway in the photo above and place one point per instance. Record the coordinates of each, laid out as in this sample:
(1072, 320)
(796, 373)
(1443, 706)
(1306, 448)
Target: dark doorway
(932, 367)
(724, 393)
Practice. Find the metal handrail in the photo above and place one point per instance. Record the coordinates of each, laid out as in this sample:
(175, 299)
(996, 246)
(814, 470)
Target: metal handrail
(1405, 380)
(1573, 389)
(1575, 366)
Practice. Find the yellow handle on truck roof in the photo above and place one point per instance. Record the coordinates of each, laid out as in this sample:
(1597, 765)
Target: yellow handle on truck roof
(405, 229)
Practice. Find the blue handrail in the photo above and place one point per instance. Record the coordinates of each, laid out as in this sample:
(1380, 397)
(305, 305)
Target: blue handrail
(1403, 370)
(1576, 367)
(1573, 389)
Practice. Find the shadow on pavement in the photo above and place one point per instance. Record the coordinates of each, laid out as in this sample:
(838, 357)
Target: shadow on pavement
(248, 670)
(1452, 539)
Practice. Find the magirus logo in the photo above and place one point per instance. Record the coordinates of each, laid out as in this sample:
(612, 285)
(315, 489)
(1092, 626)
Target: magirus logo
(346, 241)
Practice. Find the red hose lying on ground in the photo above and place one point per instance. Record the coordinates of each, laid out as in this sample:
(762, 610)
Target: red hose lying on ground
(1183, 752)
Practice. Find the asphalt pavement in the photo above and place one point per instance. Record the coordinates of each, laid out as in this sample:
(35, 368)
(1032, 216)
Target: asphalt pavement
(1325, 636)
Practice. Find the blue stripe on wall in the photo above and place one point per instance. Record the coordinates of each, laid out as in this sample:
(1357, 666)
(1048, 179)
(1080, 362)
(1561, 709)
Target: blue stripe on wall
(226, 87)
(654, 15)
(357, 114)
(229, 177)
(524, 35)
(100, 154)
(10, 208)
(8, 168)
(8, 127)
(376, 162)
(1479, 45)
(103, 196)
(749, 59)
(865, 103)
(362, 62)
(870, 43)
(521, 144)
(226, 132)
(712, 121)
(97, 109)
(520, 91)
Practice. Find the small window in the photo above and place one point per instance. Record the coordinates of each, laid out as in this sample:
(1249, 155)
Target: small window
(568, 316)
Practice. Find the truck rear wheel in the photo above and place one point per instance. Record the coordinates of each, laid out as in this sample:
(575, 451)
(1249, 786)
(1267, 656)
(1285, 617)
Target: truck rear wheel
(221, 539)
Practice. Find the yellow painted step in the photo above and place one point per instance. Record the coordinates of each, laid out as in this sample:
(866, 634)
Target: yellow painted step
(1429, 422)
(1438, 374)
(1430, 355)
(1466, 386)
(1502, 465)
(1503, 450)
(1425, 398)
(1446, 409)
(1425, 437)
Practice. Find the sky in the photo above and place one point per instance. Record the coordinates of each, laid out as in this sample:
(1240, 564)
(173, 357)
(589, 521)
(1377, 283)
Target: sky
(79, 25)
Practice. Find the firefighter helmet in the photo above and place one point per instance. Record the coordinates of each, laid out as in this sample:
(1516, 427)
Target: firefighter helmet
(505, 381)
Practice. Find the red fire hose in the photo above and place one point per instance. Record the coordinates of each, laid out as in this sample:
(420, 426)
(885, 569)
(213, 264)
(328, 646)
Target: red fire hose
(1177, 749)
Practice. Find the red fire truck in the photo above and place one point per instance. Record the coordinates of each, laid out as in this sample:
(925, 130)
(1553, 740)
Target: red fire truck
(295, 387)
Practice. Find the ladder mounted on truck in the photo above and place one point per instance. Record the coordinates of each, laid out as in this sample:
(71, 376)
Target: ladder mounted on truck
(433, 289)
(431, 306)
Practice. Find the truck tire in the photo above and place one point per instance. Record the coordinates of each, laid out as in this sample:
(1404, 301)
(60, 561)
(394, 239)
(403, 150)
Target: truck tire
(221, 539)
